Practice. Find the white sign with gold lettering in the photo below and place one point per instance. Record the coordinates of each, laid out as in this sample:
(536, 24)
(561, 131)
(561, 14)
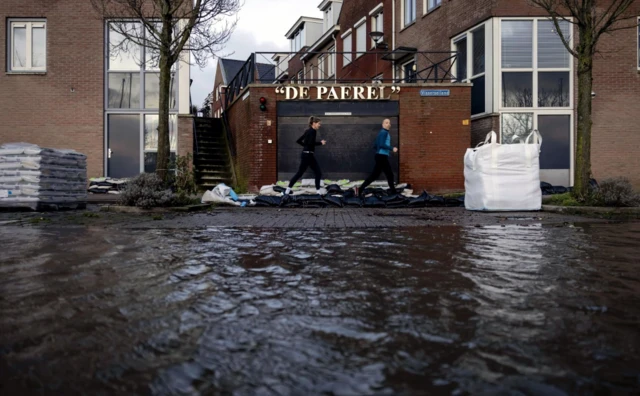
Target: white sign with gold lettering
(343, 92)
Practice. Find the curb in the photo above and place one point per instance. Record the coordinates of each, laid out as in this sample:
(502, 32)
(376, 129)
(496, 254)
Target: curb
(590, 210)
(134, 209)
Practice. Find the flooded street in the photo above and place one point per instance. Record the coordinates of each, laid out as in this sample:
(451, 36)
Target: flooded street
(518, 309)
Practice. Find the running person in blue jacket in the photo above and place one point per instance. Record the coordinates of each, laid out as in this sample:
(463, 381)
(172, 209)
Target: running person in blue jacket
(383, 149)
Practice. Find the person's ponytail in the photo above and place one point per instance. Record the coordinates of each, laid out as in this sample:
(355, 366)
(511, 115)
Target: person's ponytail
(313, 120)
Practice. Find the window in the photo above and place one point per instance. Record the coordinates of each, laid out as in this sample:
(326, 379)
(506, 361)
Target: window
(542, 84)
(27, 46)
(470, 66)
(301, 77)
(409, 11)
(433, 4)
(331, 65)
(377, 25)
(297, 40)
(132, 83)
(346, 48)
(328, 19)
(322, 59)
(361, 39)
(409, 72)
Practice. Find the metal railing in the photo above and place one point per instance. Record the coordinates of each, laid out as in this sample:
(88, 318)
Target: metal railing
(364, 67)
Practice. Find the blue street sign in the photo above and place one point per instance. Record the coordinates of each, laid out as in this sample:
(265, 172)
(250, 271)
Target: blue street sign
(435, 92)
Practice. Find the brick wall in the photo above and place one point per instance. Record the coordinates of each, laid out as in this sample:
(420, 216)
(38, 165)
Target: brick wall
(256, 159)
(43, 109)
(432, 137)
(185, 134)
(364, 68)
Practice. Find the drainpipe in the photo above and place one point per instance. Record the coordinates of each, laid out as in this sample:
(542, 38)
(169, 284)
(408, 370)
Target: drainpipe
(393, 36)
(335, 58)
(304, 71)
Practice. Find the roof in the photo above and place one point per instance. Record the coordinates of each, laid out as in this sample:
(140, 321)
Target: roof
(231, 67)
(299, 24)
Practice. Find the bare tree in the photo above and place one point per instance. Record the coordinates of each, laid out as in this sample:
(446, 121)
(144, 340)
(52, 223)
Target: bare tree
(167, 28)
(592, 18)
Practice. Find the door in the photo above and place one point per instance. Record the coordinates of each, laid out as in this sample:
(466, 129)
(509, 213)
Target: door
(555, 155)
(350, 129)
(123, 145)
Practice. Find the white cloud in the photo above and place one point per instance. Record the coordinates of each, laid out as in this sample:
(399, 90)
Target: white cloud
(261, 27)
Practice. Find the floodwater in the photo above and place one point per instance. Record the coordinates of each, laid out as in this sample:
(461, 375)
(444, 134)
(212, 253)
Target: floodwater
(534, 310)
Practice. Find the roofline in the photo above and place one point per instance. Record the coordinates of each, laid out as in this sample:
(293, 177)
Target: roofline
(322, 40)
(325, 3)
(299, 22)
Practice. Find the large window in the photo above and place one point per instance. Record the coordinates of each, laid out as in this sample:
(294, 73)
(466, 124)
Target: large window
(347, 49)
(535, 65)
(409, 11)
(27, 49)
(361, 38)
(133, 88)
(433, 4)
(470, 66)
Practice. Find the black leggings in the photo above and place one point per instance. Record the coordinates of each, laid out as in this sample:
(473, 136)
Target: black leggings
(307, 160)
(382, 165)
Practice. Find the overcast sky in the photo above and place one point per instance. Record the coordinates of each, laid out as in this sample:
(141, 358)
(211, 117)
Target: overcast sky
(261, 27)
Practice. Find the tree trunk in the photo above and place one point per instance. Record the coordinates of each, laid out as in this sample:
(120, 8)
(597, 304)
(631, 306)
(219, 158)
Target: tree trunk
(582, 172)
(164, 149)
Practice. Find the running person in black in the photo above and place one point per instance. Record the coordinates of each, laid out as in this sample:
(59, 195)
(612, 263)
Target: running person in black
(308, 159)
(383, 149)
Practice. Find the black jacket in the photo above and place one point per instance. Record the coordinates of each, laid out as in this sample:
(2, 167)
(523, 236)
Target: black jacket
(308, 140)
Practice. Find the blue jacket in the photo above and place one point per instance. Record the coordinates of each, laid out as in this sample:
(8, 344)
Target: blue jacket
(383, 142)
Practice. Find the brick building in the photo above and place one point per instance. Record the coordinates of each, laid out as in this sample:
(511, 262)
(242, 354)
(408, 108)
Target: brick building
(520, 77)
(65, 86)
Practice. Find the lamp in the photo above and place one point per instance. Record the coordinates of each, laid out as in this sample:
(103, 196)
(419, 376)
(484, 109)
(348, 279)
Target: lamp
(376, 37)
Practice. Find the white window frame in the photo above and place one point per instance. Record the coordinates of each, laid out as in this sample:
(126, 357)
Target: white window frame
(377, 14)
(28, 24)
(427, 7)
(638, 44)
(402, 68)
(359, 27)
(328, 18)
(488, 62)
(331, 63)
(403, 14)
(347, 58)
(321, 74)
(535, 110)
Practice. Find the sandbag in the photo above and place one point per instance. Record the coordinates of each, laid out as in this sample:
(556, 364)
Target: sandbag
(503, 177)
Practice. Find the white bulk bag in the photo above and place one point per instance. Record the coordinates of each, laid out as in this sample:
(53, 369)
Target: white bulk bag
(503, 177)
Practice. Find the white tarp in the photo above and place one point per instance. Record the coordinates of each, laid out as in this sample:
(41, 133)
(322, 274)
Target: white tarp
(503, 177)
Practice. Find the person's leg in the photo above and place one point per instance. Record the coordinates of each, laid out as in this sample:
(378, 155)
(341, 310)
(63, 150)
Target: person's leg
(386, 168)
(304, 164)
(372, 177)
(313, 163)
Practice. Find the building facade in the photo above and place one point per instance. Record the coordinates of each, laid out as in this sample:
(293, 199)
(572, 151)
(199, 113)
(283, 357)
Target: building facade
(70, 85)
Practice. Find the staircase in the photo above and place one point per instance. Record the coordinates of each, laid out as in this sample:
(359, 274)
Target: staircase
(212, 162)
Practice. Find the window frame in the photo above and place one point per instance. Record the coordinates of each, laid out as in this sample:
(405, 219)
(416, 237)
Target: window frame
(535, 70)
(331, 62)
(361, 26)
(321, 67)
(638, 43)
(347, 37)
(403, 4)
(427, 8)
(29, 26)
(402, 71)
(488, 62)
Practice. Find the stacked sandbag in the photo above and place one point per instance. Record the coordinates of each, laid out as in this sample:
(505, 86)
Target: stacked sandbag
(41, 178)
(107, 185)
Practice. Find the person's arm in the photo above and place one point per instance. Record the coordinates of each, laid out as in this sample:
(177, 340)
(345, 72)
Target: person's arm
(382, 143)
(301, 139)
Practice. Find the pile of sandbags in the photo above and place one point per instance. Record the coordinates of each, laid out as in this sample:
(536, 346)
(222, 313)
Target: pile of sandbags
(42, 178)
(107, 185)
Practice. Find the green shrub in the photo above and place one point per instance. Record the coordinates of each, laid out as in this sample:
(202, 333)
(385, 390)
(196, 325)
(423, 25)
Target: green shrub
(563, 200)
(616, 192)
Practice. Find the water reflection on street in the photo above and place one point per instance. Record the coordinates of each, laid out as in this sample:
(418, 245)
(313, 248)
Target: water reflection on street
(534, 309)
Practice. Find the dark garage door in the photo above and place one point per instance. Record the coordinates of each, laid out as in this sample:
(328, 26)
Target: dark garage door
(349, 152)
